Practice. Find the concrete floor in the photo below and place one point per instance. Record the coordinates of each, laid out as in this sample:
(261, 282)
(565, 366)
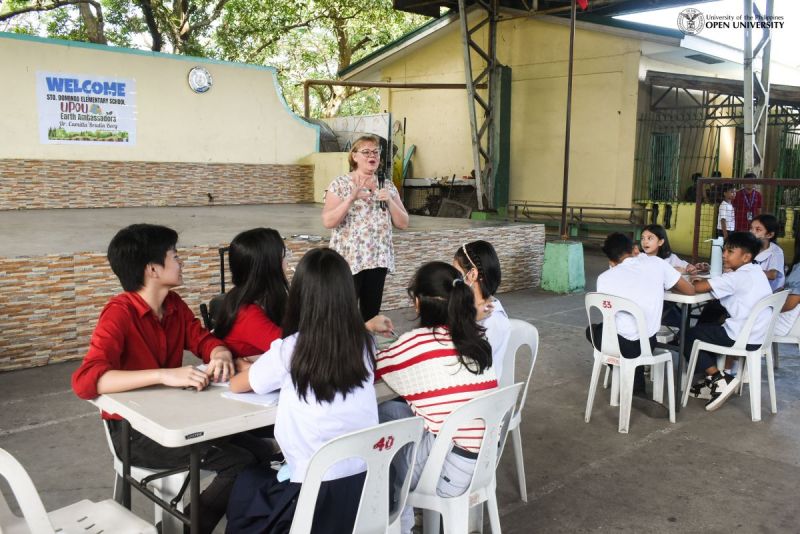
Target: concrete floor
(715, 472)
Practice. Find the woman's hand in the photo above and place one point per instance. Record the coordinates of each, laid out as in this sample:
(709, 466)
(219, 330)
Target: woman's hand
(359, 189)
(183, 377)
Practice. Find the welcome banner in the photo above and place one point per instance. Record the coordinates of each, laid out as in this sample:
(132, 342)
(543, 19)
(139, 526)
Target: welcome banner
(87, 110)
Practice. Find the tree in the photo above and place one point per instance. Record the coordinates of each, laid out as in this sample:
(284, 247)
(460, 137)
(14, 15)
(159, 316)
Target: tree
(302, 38)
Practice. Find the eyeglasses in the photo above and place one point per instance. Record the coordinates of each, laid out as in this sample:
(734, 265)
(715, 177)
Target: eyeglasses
(376, 152)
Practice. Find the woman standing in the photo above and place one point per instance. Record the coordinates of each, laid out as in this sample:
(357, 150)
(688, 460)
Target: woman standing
(361, 216)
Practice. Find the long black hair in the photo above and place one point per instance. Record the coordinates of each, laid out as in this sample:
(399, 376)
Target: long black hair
(445, 300)
(322, 308)
(255, 258)
(480, 255)
(664, 251)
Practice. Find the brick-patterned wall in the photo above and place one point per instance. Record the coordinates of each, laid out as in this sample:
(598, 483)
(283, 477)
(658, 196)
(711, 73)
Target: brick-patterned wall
(49, 304)
(45, 184)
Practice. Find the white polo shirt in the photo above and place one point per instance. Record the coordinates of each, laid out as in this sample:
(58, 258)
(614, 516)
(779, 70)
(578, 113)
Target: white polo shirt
(642, 279)
(498, 330)
(739, 291)
(772, 258)
(726, 212)
(787, 319)
(303, 426)
(676, 262)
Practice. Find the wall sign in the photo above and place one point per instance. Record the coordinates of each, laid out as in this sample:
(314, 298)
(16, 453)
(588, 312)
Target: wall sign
(85, 110)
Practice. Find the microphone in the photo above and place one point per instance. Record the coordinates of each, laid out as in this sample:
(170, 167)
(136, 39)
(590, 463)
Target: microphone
(381, 182)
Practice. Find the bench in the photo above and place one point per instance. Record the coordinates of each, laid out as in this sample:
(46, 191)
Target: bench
(582, 221)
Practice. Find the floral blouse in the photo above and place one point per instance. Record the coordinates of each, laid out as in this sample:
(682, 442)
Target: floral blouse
(364, 237)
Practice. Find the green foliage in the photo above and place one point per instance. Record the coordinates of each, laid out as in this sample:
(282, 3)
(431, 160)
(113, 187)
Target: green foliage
(302, 39)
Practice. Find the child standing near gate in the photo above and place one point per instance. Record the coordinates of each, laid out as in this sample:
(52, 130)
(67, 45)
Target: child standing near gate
(726, 217)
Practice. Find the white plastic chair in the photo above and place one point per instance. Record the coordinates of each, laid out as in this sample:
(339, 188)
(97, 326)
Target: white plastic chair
(522, 333)
(792, 338)
(752, 358)
(622, 389)
(494, 409)
(165, 487)
(84, 517)
(377, 446)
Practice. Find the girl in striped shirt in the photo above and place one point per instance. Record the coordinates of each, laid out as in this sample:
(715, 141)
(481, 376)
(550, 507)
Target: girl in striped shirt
(436, 368)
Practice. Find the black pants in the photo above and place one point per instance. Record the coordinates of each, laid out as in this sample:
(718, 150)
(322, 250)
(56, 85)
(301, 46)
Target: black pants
(226, 456)
(712, 333)
(629, 349)
(369, 291)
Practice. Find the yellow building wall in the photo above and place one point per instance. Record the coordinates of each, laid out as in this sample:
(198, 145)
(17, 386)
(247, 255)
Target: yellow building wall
(327, 166)
(241, 119)
(605, 91)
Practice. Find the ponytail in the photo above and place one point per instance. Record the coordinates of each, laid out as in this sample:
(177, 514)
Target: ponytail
(445, 300)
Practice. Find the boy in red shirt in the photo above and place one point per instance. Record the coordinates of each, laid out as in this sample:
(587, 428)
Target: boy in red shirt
(139, 341)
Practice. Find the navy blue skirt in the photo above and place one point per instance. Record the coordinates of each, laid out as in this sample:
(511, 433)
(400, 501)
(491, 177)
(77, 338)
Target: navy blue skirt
(260, 504)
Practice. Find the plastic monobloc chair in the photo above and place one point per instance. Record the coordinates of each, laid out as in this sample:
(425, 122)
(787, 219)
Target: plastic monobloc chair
(167, 488)
(752, 367)
(84, 517)
(495, 409)
(522, 333)
(792, 338)
(377, 446)
(622, 389)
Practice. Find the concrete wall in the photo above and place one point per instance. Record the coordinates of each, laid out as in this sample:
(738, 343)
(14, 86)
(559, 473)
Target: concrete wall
(605, 91)
(241, 119)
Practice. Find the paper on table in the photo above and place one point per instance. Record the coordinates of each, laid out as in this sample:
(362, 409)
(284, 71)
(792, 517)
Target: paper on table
(270, 399)
(203, 367)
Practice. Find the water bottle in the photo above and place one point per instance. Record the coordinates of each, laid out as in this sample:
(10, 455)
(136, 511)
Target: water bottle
(716, 257)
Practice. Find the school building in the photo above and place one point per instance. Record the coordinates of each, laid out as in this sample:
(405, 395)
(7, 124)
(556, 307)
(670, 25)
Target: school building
(650, 107)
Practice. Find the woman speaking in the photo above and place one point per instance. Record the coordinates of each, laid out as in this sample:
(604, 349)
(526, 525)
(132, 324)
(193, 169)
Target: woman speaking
(361, 215)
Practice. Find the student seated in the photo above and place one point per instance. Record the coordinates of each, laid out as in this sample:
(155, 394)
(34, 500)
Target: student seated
(770, 256)
(479, 266)
(642, 279)
(139, 341)
(791, 309)
(436, 368)
(738, 289)
(323, 367)
(251, 313)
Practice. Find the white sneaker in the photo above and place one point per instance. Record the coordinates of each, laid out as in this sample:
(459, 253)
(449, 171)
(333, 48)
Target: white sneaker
(722, 386)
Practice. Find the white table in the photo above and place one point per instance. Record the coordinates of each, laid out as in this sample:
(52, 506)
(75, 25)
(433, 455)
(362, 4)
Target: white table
(175, 417)
(685, 302)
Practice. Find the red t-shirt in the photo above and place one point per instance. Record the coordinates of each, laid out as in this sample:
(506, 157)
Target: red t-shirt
(744, 203)
(252, 332)
(129, 337)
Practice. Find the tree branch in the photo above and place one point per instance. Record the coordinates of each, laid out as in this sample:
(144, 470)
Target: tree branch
(55, 5)
(152, 25)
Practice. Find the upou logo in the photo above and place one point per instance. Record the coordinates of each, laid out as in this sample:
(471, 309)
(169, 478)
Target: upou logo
(89, 87)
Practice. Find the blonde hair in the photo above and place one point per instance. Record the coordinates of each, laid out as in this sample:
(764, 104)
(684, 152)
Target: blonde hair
(364, 139)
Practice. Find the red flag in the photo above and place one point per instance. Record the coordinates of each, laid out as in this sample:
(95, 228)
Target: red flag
(584, 4)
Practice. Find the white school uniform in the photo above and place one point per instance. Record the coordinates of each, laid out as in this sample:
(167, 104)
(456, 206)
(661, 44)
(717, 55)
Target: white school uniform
(739, 291)
(726, 212)
(498, 331)
(642, 279)
(676, 262)
(769, 259)
(787, 319)
(303, 426)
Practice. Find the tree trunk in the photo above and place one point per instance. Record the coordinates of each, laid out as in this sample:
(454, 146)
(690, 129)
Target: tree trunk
(93, 24)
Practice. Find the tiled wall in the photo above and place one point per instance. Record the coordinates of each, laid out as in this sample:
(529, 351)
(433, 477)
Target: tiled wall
(49, 304)
(38, 184)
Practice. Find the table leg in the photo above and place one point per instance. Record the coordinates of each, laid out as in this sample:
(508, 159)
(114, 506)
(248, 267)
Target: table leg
(681, 362)
(194, 488)
(126, 464)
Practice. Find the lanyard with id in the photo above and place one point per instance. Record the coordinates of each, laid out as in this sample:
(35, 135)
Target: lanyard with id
(749, 202)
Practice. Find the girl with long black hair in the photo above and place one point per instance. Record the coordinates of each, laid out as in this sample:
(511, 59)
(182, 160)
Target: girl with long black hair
(436, 368)
(323, 367)
(252, 311)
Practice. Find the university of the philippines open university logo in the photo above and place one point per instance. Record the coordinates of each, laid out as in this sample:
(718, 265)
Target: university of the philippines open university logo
(690, 21)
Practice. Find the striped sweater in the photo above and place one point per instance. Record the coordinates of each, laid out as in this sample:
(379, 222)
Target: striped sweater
(422, 366)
